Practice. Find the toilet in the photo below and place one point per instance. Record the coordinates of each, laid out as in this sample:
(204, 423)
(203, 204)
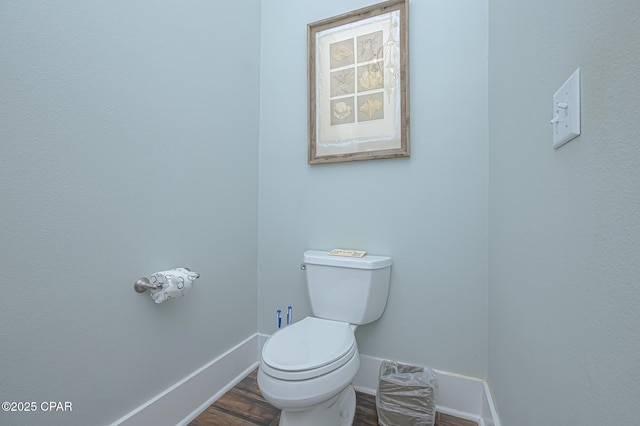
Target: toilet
(306, 368)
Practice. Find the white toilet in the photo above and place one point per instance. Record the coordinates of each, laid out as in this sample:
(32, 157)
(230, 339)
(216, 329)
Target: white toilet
(306, 368)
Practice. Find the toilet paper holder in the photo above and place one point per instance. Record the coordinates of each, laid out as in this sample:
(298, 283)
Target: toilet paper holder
(143, 284)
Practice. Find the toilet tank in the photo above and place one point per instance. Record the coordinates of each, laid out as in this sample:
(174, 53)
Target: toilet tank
(347, 289)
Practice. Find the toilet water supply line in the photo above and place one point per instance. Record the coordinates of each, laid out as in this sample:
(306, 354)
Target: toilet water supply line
(279, 317)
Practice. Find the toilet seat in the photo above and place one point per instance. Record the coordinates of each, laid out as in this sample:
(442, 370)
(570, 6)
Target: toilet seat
(307, 349)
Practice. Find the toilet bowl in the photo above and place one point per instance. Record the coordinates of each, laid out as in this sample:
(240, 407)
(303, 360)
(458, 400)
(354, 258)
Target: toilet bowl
(306, 370)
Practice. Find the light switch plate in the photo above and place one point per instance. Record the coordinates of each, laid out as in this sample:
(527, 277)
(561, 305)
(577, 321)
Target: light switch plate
(566, 111)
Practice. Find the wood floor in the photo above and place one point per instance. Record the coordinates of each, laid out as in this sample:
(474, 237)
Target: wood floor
(244, 406)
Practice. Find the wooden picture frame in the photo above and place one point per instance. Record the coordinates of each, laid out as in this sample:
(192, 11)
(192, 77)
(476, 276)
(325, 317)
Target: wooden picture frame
(358, 70)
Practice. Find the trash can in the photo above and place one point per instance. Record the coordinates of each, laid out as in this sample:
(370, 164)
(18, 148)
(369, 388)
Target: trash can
(406, 395)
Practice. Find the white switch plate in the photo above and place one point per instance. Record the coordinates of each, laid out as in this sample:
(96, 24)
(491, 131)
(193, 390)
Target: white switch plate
(566, 111)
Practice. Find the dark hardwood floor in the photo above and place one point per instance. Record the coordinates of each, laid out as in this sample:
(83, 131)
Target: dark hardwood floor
(244, 406)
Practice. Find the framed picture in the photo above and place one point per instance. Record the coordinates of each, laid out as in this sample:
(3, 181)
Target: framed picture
(359, 84)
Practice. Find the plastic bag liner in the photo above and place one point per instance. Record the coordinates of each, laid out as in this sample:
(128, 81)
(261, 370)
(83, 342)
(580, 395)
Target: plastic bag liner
(406, 395)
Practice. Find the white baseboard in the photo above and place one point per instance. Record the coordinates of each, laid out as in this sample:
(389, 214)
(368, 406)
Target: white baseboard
(489, 411)
(183, 401)
(461, 396)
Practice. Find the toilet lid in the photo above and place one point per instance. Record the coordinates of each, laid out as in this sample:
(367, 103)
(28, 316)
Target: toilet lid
(308, 344)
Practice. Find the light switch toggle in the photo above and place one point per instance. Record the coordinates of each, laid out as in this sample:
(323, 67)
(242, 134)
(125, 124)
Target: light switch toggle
(556, 119)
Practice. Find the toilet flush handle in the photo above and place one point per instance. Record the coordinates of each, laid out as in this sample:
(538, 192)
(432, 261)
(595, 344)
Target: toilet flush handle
(303, 266)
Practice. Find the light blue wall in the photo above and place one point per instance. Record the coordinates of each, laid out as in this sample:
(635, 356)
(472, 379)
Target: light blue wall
(429, 211)
(128, 145)
(564, 301)
(138, 136)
